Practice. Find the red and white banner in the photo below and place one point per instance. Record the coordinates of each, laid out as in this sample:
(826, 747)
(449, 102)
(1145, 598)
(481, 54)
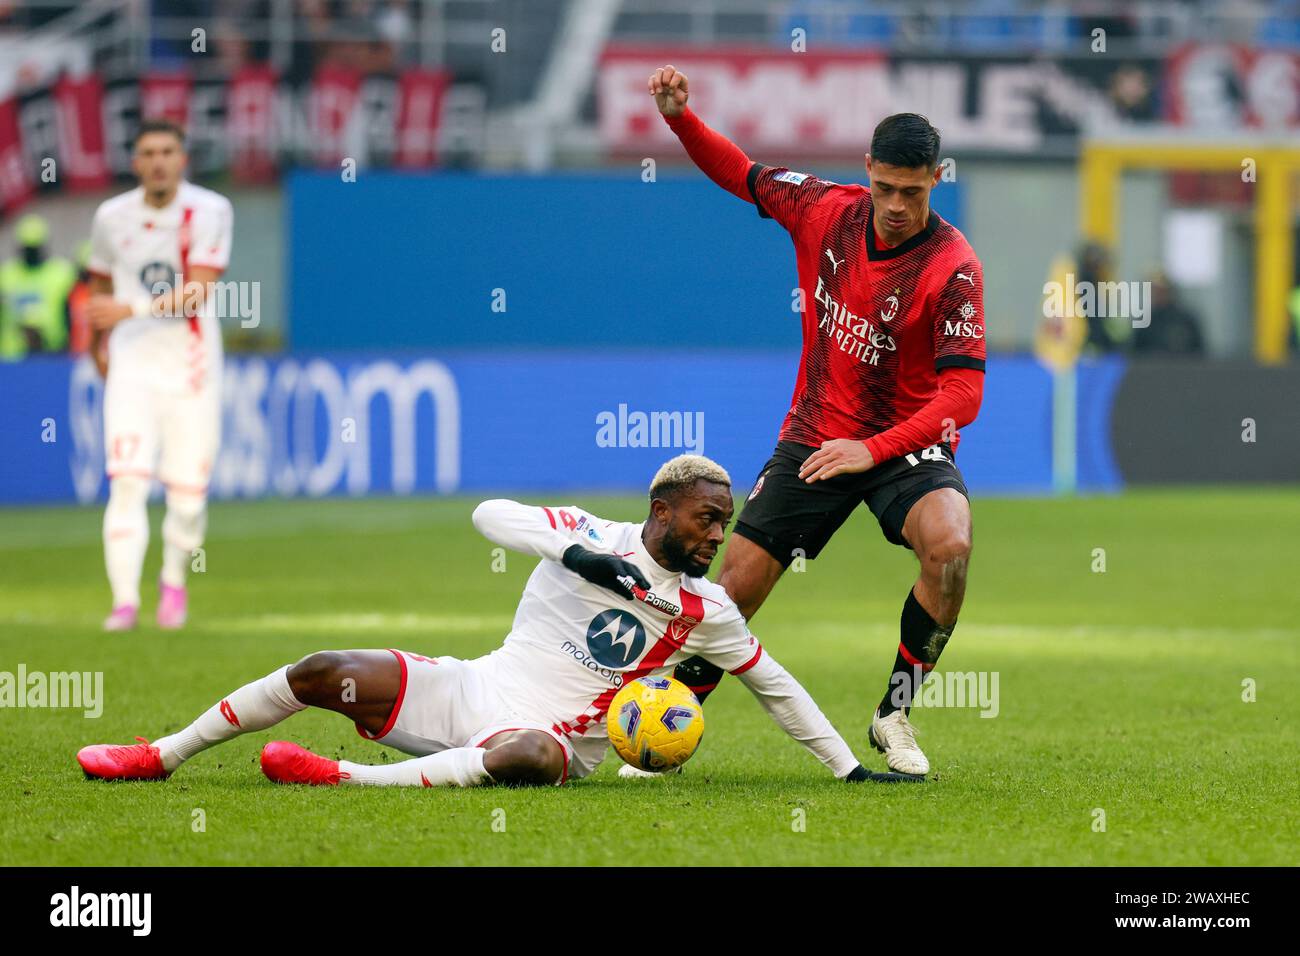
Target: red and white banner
(782, 105)
(166, 96)
(1223, 86)
(421, 98)
(76, 134)
(16, 182)
(251, 124)
(766, 99)
(332, 113)
(82, 163)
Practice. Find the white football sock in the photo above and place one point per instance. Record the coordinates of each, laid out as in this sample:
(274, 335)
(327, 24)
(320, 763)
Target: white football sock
(182, 532)
(461, 767)
(126, 536)
(256, 706)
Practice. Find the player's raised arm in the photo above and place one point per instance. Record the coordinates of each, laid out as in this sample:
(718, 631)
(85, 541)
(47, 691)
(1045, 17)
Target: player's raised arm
(789, 197)
(718, 157)
(565, 534)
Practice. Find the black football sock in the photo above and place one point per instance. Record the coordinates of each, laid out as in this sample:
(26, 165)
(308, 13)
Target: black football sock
(922, 641)
(699, 675)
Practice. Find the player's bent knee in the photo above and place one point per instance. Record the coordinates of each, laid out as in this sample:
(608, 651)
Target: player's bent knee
(316, 675)
(950, 550)
(186, 503)
(532, 759)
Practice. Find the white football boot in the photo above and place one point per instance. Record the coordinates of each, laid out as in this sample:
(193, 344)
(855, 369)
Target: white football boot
(895, 737)
(629, 772)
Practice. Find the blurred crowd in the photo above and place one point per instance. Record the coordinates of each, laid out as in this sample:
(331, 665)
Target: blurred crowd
(15, 15)
(367, 35)
(1173, 329)
(1040, 25)
(381, 34)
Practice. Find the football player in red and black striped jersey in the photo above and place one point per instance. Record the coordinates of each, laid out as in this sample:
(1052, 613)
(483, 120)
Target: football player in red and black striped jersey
(892, 367)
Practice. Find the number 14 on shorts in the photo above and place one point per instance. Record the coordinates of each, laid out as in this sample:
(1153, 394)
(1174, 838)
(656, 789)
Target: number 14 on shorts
(933, 453)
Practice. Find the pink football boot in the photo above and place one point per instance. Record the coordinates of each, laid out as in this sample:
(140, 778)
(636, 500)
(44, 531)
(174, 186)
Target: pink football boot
(123, 618)
(122, 762)
(285, 762)
(172, 607)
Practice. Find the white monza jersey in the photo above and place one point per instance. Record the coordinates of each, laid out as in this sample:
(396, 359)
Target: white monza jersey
(138, 245)
(574, 644)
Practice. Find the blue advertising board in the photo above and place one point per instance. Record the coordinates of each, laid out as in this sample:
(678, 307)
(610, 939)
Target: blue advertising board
(478, 422)
(596, 260)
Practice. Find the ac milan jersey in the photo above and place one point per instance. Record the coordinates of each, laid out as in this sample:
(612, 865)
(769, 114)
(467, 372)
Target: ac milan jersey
(878, 323)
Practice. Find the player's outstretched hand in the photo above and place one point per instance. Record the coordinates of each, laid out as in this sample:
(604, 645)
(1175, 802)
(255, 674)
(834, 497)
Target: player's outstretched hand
(606, 570)
(668, 87)
(838, 456)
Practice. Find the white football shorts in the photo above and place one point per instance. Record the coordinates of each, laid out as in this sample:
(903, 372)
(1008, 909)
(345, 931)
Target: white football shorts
(153, 433)
(445, 702)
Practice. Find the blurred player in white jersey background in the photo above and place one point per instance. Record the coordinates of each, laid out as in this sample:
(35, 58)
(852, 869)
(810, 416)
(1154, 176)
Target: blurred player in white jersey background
(156, 253)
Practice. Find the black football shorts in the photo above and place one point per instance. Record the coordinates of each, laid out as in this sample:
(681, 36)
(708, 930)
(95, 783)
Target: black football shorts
(789, 517)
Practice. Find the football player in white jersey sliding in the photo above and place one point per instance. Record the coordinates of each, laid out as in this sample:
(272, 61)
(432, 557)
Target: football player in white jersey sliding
(608, 603)
(154, 253)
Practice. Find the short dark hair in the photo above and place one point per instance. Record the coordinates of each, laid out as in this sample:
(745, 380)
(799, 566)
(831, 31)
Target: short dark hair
(907, 140)
(158, 125)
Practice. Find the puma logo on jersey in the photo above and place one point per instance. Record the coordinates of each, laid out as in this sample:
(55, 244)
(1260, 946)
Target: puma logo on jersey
(962, 275)
(835, 266)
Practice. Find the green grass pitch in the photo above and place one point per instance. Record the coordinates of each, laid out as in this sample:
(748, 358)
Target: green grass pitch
(1120, 693)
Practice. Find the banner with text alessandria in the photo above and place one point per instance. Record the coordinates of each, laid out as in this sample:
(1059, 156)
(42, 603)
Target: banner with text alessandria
(826, 102)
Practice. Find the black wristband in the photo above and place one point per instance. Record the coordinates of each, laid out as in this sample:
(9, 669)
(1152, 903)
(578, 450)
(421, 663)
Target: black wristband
(572, 555)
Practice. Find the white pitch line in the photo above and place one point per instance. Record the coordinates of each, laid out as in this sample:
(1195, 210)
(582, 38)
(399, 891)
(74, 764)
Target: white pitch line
(1124, 630)
(1061, 631)
(358, 622)
(433, 623)
(442, 623)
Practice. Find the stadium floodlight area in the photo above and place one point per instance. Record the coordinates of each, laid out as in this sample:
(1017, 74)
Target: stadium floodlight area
(1272, 164)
